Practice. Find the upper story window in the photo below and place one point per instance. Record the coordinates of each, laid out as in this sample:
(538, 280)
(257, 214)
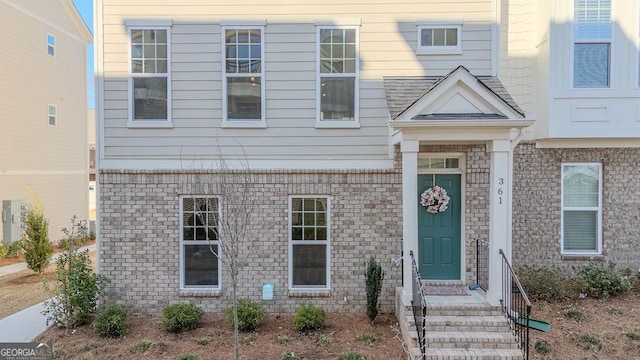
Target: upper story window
(591, 43)
(150, 82)
(53, 115)
(51, 45)
(581, 208)
(338, 66)
(439, 39)
(243, 78)
(199, 247)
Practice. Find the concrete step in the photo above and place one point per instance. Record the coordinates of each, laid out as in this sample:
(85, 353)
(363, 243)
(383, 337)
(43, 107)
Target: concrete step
(467, 323)
(472, 309)
(467, 340)
(465, 354)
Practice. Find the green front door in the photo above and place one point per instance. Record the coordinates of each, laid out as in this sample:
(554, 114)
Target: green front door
(439, 234)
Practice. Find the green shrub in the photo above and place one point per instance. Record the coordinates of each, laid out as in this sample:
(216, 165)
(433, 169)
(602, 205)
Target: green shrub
(16, 249)
(373, 287)
(352, 356)
(308, 317)
(35, 242)
(181, 317)
(542, 347)
(590, 341)
(602, 282)
(187, 357)
(142, 346)
(575, 314)
(76, 236)
(204, 341)
(633, 336)
(541, 283)
(323, 340)
(110, 321)
(366, 338)
(4, 249)
(74, 291)
(250, 314)
(283, 339)
(289, 356)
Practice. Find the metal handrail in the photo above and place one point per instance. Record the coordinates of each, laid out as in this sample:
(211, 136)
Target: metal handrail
(419, 307)
(515, 305)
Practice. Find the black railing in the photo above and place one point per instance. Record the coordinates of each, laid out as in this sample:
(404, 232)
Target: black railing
(419, 307)
(515, 305)
(482, 264)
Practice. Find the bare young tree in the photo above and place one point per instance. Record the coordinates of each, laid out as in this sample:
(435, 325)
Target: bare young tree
(232, 228)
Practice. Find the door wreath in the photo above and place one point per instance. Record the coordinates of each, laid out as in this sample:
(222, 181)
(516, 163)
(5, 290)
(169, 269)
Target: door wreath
(435, 199)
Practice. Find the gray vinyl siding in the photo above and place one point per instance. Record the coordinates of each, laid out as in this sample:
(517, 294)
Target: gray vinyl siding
(387, 47)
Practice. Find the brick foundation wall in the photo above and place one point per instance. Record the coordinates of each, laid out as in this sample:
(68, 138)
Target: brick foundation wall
(139, 236)
(536, 206)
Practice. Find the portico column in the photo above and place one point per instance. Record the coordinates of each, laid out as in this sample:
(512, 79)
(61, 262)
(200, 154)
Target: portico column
(499, 228)
(409, 149)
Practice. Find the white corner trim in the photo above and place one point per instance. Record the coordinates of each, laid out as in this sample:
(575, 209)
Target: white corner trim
(243, 22)
(148, 22)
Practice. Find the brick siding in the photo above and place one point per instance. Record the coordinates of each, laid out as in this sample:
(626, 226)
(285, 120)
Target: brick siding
(536, 206)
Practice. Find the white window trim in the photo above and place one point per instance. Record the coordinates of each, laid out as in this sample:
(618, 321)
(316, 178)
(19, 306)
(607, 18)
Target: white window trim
(439, 50)
(333, 124)
(55, 115)
(327, 243)
(591, 41)
(598, 208)
(150, 123)
(249, 123)
(52, 46)
(204, 289)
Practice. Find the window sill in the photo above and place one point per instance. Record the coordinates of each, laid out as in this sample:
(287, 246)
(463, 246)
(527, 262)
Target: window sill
(307, 293)
(243, 124)
(346, 124)
(150, 124)
(582, 257)
(200, 293)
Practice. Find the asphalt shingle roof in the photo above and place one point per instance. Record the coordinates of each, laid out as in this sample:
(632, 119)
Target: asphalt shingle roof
(404, 91)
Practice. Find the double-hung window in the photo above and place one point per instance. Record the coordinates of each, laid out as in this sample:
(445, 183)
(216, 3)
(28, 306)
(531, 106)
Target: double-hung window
(150, 82)
(309, 243)
(199, 263)
(338, 66)
(581, 208)
(592, 44)
(243, 80)
(51, 45)
(53, 115)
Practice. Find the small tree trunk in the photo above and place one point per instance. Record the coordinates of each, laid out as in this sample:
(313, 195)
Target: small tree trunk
(234, 295)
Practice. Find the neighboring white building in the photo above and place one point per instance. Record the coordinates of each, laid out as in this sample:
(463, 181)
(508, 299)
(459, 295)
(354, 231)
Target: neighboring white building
(43, 139)
(346, 113)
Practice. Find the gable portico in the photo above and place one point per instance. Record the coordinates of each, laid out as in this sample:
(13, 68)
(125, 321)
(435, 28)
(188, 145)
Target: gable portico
(461, 110)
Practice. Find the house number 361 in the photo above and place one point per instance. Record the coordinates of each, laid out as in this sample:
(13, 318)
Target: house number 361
(500, 191)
